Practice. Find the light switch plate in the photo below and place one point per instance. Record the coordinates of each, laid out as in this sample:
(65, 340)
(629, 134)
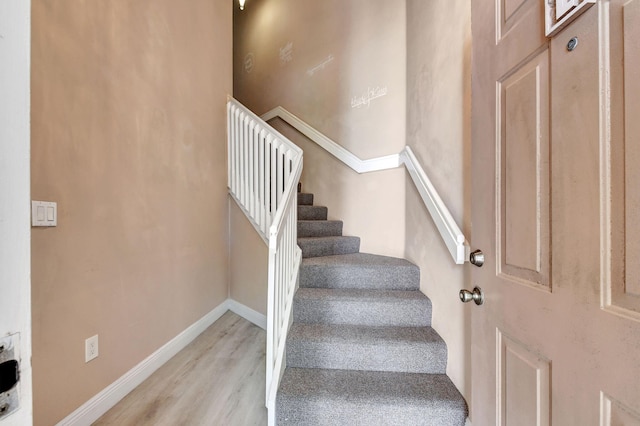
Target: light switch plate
(44, 213)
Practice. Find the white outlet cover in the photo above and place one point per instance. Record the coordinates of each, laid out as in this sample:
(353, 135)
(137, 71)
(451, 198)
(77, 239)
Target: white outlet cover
(91, 348)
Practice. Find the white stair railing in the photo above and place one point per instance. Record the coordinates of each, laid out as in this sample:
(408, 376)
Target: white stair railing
(448, 228)
(264, 171)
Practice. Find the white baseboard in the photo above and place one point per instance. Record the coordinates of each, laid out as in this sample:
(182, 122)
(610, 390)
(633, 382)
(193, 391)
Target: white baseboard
(93, 409)
(247, 313)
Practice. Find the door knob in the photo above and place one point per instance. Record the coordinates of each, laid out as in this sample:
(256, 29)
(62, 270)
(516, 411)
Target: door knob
(475, 295)
(477, 258)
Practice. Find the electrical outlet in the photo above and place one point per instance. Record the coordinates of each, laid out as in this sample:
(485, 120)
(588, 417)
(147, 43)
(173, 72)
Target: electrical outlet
(91, 348)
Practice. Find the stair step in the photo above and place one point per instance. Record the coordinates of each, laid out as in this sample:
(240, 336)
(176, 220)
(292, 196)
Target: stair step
(361, 307)
(319, 228)
(335, 397)
(312, 213)
(305, 199)
(359, 270)
(328, 246)
(355, 347)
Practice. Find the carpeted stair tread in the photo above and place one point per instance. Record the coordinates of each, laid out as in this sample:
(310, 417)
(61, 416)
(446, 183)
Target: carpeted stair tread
(340, 398)
(359, 270)
(312, 213)
(364, 307)
(319, 228)
(328, 246)
(305, 199)
(357, 347)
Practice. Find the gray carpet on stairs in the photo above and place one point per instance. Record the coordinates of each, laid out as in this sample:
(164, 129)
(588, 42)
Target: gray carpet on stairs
(322, 397)
(328, 246)
(312, 213)
(361, 350)
(359, 270)
(365, 307)
(353, 347)
(305, 199)
(319, 228)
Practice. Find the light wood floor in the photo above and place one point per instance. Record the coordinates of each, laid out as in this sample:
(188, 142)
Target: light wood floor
(218, 379)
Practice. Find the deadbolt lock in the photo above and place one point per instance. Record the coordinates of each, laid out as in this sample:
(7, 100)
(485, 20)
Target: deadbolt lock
(477, 258)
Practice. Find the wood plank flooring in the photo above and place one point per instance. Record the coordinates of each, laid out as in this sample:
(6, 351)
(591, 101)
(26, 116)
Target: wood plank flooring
(218, 379)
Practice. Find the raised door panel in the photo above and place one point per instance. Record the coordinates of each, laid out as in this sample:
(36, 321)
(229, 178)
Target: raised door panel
(523, 172)
(615, 413)
(631, 61)
(509, 8)
(519, 31)
(620, 39)
(523, 384)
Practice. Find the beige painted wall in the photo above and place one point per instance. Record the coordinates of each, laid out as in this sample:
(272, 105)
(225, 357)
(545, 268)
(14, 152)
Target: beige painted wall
(248, 262)
(438, 130)
(128, 136)
(319, 59)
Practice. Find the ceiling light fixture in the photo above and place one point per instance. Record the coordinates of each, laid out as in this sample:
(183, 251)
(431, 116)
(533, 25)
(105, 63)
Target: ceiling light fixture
(241, 4)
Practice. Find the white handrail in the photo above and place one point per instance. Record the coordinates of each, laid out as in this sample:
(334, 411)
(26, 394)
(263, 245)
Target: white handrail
(447, 226)
(348, 158)
(264, 171)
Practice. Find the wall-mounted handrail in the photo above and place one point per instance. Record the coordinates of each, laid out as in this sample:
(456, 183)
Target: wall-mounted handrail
(264, 171)
(348, 158)
(447, 226)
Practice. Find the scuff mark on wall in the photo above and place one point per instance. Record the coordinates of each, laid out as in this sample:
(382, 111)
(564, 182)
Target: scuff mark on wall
(321, 66)
(249, 62)
(286, 53)
(371, 94)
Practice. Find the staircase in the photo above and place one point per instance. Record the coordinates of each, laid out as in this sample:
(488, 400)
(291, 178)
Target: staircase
(361, 350)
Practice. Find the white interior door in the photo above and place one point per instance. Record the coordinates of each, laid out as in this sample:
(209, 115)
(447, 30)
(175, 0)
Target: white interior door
(15, 231)
(556, 210)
